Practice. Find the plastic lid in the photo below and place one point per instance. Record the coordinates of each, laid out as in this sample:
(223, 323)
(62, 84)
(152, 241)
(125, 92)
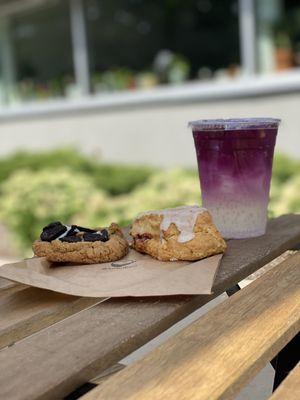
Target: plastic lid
(234, 124)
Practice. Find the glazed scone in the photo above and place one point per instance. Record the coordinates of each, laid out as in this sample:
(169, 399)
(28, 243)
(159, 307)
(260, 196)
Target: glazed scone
(182, 233)
(63, 243)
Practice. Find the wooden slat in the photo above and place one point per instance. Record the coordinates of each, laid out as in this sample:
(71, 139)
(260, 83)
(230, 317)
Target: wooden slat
(245, 256)
(284, 256)
(79, 348)
(4, 283)
(9, 287)
(57, 360)
(4, 292)
(290, 387)
(30, 310)
(108, 373)
(214, 357)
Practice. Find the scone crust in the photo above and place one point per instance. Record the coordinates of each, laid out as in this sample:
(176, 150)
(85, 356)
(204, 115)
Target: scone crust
(83, 252)
(164, 245)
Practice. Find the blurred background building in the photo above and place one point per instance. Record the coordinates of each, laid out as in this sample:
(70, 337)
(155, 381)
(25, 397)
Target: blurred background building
(120, 79)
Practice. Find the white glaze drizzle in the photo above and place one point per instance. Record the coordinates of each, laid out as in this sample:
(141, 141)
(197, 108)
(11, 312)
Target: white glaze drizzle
(183, 217)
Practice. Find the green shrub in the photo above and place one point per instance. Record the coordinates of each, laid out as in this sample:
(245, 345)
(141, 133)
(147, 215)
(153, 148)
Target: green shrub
(114, 179)
(120, 179)
(30, 200)
(288, 200)
(284, 167)
(167, 188)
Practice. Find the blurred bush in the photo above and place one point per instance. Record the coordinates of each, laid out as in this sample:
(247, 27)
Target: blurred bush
(167, 188)
(37, 188)
(284, 168)
(287, 197)
(114, 179)
(30, 200)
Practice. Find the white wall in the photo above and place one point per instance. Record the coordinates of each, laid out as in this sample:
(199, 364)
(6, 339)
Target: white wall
(147, 134)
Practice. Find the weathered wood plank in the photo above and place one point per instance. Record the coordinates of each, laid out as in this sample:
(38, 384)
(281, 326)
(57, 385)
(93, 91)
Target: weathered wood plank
(9, 287)
(10, 290)
(54, 362)
(4, 283)
(245, 256)
(108, 373)
(80, 347)
(290, 387)
(218, 354)
(30, 310)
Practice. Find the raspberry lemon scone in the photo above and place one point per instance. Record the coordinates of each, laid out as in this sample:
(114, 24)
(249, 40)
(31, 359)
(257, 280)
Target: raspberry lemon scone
(182, 233)
(63, 243)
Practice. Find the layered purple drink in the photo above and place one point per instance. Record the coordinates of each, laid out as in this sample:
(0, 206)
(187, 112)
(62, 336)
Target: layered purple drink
(235, 159)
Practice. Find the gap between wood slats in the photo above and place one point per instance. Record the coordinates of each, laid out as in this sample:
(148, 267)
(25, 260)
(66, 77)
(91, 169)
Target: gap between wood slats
(289, 389)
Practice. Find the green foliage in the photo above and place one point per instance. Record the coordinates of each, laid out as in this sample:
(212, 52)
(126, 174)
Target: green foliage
(37, 188)
(288, 200)
(167, 188)
(120, 179)
(115, 179)
(30, 200)
(284, 168)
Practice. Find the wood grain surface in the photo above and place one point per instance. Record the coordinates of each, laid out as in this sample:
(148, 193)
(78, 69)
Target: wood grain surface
(215, 356)
(52, 363)
(290, 387)
(4, 283)
(80, 347)
(29, 310)
(10, 289)
(245, 256)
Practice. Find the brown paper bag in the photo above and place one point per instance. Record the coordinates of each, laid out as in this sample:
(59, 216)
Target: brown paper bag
(134, 275)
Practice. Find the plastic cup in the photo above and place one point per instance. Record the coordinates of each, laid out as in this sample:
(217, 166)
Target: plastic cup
(235, 158)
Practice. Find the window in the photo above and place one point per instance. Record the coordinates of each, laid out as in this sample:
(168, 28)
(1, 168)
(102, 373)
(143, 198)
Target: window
(134, 44)
(142, 43)
(38, 46)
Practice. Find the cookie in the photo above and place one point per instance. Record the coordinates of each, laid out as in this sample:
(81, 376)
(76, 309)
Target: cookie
(182, 233)
(81, 245)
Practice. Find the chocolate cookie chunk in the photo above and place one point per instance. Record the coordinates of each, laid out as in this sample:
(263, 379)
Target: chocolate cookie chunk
(83, 229)
(94, 237)
(53, 231)
(105, 235)
(71, 239)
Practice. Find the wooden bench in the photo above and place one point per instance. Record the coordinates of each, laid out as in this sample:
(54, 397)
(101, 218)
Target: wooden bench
(52, 344)
(218, 354)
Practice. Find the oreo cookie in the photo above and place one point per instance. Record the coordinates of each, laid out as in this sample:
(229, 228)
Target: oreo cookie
(82, 229)
(74, 229)
(53, 231)
(71, 239)
(94, 237)
(105, 235)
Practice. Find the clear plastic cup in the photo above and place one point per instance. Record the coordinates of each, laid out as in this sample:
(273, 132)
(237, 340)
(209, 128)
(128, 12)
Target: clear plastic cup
(235, 159)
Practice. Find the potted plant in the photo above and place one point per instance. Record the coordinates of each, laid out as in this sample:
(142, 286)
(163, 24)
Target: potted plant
(284, 57)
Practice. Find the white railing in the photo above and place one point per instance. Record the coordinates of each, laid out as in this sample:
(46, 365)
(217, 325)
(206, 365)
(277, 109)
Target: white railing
(190, 92)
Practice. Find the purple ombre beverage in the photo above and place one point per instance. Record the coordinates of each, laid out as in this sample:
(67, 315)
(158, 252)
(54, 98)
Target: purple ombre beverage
(235, 159)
